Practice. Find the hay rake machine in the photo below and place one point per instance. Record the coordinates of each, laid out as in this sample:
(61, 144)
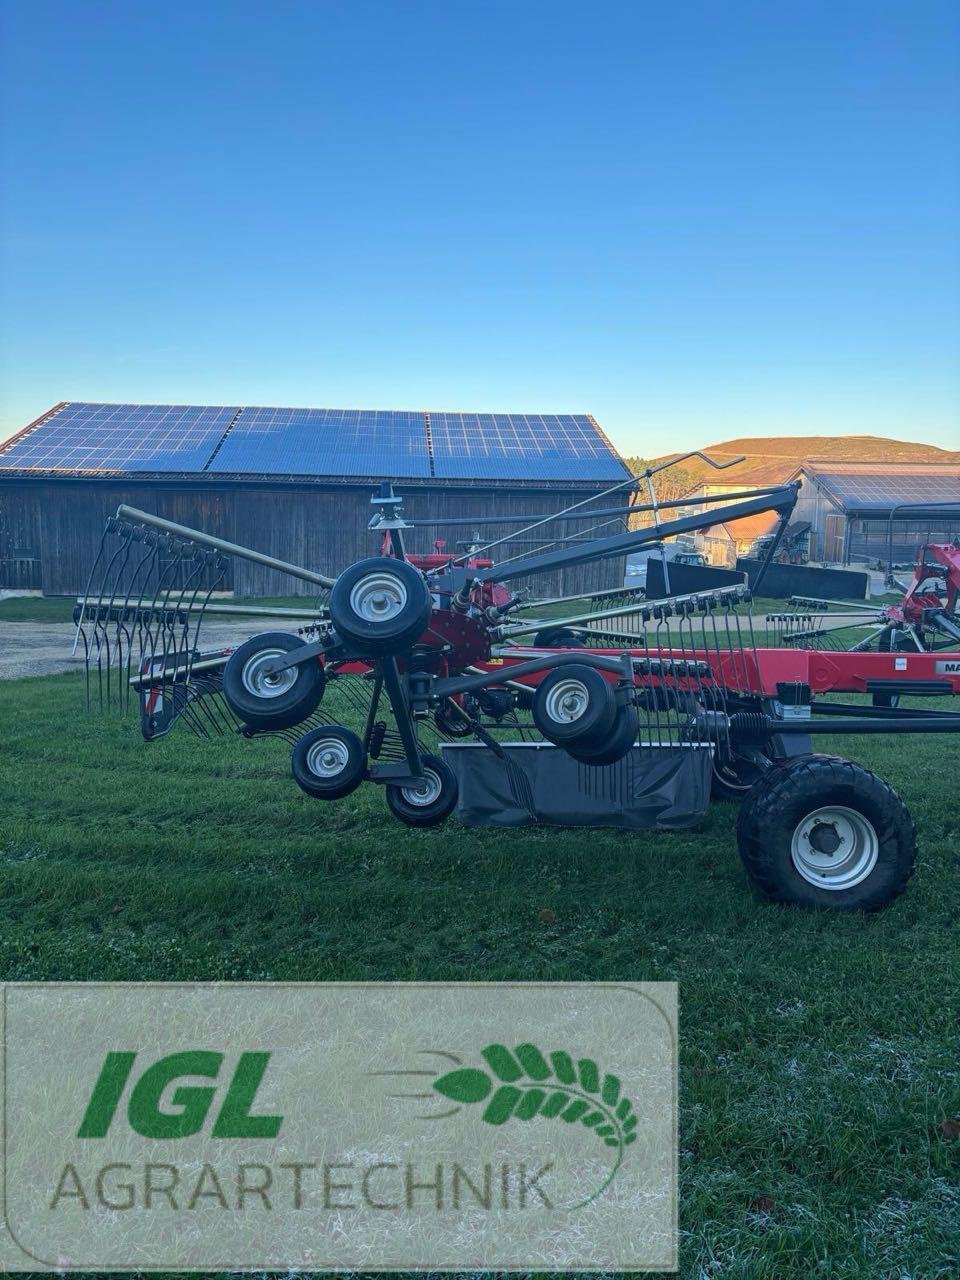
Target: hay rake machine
(436, 678)
(924, 619)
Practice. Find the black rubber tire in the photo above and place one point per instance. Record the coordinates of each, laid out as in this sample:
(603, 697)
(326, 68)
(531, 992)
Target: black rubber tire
(594, 721)
(450, 722)
(339, 784)
(557, 638)
(792, 789)
(433, 813)
(614, 745)
(495, 703)
(389, 635)
(883, 699)
(734, 777)
(271, 712)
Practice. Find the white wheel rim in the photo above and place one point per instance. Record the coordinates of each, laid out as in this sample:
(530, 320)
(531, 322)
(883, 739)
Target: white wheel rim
(328, 757)
(426, 792)
(378, 597)
(835, 847)
(567, 701)
(261, 683)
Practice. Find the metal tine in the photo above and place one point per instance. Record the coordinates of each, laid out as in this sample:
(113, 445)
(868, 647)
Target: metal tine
(219, 564)
(86, 591)
(192, 583)
(137, 613)
(168, 574)
(101, 635)
(148, 613)
(114, 577)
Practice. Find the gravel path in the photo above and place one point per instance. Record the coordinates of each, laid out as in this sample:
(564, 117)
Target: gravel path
(43, 648)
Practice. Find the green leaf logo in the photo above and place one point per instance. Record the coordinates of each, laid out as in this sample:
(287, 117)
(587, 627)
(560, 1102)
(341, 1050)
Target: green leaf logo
(524, 1083)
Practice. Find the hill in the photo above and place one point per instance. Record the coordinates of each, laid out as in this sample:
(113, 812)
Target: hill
(769, 459)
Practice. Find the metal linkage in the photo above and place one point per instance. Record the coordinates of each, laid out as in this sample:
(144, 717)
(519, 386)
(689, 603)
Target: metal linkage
(139, 620)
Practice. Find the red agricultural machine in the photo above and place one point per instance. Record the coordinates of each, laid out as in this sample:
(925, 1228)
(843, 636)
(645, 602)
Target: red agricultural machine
(438, 679)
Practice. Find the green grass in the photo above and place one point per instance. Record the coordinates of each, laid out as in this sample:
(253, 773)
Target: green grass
(819, 1052)
(37, 609)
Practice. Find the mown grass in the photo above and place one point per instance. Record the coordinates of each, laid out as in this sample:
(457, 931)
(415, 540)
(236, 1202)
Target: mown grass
(819, 1052)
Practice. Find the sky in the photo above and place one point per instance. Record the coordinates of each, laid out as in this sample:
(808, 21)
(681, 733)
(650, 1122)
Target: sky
(693, 220)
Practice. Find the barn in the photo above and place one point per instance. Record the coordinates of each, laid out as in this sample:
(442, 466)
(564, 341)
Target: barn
(295, 483)
(860, 512)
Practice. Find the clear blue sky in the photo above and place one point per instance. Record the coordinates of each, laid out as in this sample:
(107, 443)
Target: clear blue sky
(694, 220)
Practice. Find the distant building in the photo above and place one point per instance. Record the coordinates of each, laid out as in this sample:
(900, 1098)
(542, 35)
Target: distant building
(857, 511)
(295, 483)
(846, 512)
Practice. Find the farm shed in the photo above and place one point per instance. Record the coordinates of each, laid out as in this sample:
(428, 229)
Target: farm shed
(295, 483)
(852, 508)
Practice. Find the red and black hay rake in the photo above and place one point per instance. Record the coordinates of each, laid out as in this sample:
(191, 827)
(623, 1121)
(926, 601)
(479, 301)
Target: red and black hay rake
(433, 677)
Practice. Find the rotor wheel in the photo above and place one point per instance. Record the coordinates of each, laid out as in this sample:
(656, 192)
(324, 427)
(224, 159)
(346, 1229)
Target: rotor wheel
(574, 704)
(614, 745)
(380, 606)
(328, 762)
(267, 701)
(426, 803)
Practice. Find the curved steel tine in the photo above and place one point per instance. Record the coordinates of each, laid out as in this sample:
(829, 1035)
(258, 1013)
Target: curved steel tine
(86, 590)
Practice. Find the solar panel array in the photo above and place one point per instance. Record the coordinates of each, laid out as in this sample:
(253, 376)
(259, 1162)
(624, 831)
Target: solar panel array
(121, 437)
(109, 438)
(883, 491)
(324, 442)
(504, 446)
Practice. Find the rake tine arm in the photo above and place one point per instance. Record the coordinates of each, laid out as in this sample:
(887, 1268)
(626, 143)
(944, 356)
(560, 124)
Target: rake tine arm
(220, 544)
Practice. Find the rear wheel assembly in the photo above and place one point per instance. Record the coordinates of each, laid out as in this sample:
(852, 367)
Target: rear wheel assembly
(380, 605)
(268, 701)
(824, 832)
(574, 705)
(611, 747)
(328, 762)
(428, 802)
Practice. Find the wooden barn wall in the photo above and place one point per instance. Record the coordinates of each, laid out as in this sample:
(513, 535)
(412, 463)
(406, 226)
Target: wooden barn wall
(320, 529)
(20, 556)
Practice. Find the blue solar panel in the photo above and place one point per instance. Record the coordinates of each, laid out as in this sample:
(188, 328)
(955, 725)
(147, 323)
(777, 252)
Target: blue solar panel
(509, 446)
(866, 491)
(121, 437)
(90, 439)
(338, 442)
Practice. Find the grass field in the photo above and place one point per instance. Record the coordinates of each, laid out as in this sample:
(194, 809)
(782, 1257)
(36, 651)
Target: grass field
(820, 1054)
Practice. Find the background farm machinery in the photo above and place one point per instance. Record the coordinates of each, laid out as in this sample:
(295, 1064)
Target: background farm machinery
(433, 677)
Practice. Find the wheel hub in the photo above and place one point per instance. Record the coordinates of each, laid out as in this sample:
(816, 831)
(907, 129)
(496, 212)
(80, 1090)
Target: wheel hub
(327, 757)
(425, 792)
(265, 684)
(378, 597)
(567, 701)
(835, 847)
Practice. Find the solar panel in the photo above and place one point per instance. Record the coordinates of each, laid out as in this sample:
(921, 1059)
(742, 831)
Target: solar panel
(121, 437)
(90, 439)
(507, 446)
(340, 442)
(859, 491)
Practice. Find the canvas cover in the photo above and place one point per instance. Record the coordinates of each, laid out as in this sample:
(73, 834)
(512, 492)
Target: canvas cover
(653, 788)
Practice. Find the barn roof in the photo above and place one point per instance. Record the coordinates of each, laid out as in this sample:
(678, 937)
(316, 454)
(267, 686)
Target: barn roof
(109, 440)
(862, 488)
